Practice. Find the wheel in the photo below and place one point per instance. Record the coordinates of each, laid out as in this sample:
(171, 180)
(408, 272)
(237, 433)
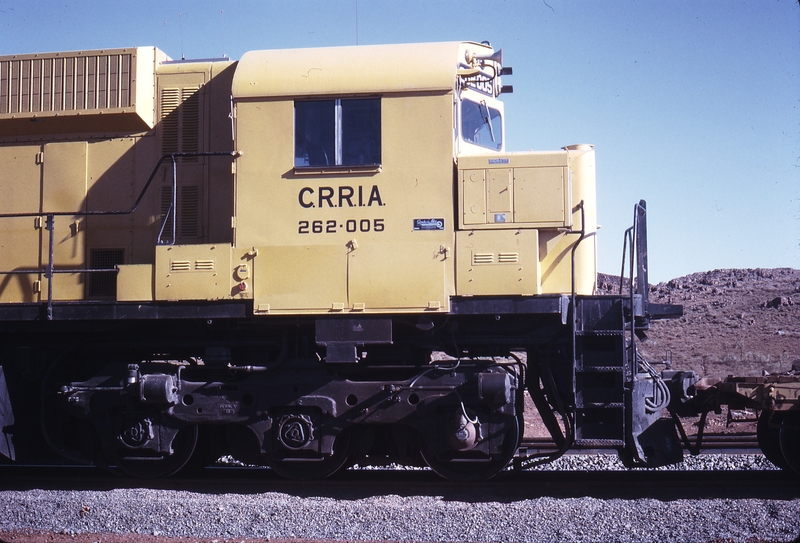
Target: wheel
(475, 466)
(306, 468)
(155, 467)
(769, 439)
(66, 431)
(789, 441)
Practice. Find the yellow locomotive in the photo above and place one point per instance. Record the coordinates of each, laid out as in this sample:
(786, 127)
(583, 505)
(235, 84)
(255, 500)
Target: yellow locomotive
(334, 190)
(269, 251)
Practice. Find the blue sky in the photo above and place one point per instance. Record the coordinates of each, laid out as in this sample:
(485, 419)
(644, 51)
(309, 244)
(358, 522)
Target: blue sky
(692, 105)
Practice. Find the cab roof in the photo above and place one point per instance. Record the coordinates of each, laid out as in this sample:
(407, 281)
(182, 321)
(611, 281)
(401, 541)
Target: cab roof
(366, 69)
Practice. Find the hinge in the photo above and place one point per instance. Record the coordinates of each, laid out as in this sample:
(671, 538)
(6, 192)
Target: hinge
(37, 286)
(233, 222)
(40, 158)
(38, 222)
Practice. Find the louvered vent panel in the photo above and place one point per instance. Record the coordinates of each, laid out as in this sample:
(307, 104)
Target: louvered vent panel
(190, 122)
(507, 258)
(482, 258)
(204, 265)
(180, 121)
(66, 83)
(166, 201)
(180, 265)
(188, 211)
(189, 216)
(170, 100)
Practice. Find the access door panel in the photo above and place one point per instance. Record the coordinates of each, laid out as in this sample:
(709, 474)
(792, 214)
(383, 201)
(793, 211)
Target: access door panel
(64, 190)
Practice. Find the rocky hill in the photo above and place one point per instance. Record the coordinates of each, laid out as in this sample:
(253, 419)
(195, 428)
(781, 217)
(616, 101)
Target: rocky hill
(736, 322)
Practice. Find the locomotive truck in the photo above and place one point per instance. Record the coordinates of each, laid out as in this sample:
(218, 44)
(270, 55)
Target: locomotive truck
(305, 259)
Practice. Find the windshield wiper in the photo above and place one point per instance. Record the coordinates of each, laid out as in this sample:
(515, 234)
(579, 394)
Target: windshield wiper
(488, 120)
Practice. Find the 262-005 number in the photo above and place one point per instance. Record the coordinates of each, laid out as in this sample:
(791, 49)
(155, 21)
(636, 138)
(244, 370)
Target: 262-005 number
(331, 226)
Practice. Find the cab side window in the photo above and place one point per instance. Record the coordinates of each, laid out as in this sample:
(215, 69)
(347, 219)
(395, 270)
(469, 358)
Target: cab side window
(481, 125)
(341, 132)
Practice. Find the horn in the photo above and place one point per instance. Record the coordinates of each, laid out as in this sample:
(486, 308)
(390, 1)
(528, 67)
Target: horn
(497, 57)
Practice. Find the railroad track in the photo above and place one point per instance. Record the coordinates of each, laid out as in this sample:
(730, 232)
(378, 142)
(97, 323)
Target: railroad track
(711, 444)
(349, 484)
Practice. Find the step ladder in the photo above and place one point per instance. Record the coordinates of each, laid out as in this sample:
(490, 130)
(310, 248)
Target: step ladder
(602, 373)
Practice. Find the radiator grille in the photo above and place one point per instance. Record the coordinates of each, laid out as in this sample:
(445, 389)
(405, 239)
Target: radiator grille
(69, 83)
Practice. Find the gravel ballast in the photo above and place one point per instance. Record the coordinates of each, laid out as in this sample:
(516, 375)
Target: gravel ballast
(423, 518)
(416, 518)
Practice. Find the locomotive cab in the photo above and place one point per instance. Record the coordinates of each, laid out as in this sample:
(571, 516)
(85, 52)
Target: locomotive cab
(346, 200)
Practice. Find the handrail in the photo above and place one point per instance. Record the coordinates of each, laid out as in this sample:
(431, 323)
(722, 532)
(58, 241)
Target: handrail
(49, 269)
(570, 438)
(629, 237)
(636, 238)
(582, 233)
(171, 156)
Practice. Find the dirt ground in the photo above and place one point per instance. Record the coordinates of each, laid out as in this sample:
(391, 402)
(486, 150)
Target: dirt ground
(739, 322)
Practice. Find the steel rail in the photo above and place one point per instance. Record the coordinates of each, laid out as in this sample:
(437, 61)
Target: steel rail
(712, 444)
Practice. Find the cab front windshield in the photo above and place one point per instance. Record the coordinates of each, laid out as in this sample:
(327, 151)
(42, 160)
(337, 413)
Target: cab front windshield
(481, 125)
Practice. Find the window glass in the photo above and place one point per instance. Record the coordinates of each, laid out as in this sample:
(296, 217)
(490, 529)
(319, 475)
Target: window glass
(481, 125)
(361, 132)
(314, 133)
(337, 132)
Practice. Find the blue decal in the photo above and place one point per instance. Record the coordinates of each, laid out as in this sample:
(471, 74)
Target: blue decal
(428, 224)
